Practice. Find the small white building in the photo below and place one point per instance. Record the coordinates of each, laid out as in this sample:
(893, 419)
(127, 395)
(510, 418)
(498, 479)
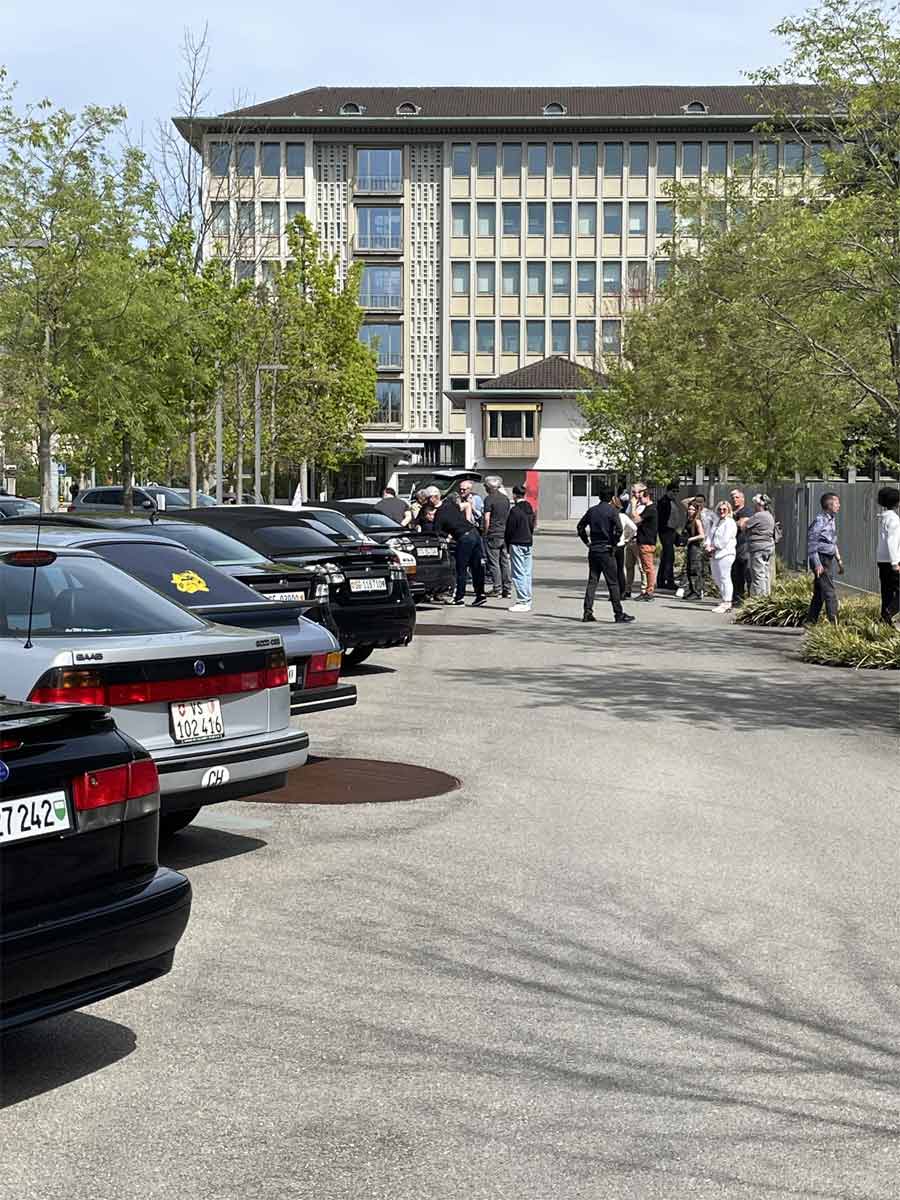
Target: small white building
(527, 427)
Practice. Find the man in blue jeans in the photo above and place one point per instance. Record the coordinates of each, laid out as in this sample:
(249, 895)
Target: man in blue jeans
(451, 522)
(519, 538)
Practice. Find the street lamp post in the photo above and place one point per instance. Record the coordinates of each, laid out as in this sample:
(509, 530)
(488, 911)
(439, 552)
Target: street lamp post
(257, 425)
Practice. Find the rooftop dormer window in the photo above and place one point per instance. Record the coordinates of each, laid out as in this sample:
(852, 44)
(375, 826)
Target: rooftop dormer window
(554, 109)
(695, 108)
(408, 109)
(352, 109)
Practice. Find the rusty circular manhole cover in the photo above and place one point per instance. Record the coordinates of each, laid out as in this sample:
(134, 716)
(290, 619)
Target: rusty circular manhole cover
(423, 630)
(358, 781)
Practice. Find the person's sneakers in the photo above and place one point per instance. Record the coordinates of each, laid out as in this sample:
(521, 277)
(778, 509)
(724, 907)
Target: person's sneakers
(493, 593)
(722, 608)
(522, 606)
(645, 596)
(625, 596)
(459, 601)
(505, 595)
(589, 617)
(479, 602)
(624, 618)
(680, 593)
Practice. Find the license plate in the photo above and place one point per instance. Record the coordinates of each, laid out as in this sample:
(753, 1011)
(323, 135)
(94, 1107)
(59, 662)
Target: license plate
(197, 721)
(33, 816)
(428, 552)
(289, 595)
(368, 585)
(292, 673)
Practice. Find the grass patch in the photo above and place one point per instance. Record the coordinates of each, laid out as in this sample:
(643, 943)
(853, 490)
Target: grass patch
(786, 606)
(862, 643)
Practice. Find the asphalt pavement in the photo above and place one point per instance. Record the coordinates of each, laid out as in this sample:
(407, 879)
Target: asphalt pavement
(648, 949)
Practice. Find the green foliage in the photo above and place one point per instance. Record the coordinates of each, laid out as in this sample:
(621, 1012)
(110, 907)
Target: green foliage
(787, 604)
(860, 640)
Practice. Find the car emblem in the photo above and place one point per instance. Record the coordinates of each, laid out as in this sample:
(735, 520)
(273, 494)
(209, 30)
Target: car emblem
(199, 667)
(4, 772)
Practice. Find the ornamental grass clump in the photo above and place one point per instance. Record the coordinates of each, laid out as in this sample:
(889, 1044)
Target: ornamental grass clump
(861, 642)
(786, 605)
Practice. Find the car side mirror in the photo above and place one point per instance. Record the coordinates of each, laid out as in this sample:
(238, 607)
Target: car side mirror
(148, 505)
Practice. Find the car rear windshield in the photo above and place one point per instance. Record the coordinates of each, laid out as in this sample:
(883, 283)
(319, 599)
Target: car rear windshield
(380, 522)
(336, 524)
(18, 508)
(76, 596)
(181, 576)
(217, 548)
(288, 539)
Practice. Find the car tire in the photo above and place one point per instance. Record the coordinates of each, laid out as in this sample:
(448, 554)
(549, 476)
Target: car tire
(173, 822)
(357, 655)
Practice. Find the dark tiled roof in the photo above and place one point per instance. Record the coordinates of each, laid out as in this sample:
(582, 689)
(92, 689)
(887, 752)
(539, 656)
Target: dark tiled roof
(740, 100)
(554, 374)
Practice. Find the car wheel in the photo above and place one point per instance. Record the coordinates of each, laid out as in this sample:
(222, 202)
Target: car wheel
(170, 823)
(357, 655)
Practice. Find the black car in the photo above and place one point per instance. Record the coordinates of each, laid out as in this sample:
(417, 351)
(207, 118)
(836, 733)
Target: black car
(369, 595)
(17, 506)
(304, 585)
(312, 652)
(85, 909)
(435, 569)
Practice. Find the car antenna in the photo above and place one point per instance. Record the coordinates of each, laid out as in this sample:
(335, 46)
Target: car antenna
(29, 645)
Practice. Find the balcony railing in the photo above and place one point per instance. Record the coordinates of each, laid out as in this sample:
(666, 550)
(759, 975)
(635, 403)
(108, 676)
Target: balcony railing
(389, 361)
(382, 301)
(379, 241)
(512, 447)
(379, 184)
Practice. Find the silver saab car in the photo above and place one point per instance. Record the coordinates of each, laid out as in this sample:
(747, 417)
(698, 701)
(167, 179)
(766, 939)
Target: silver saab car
(211, 704)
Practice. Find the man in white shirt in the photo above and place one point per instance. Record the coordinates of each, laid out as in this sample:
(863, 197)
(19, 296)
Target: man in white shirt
(889, 553)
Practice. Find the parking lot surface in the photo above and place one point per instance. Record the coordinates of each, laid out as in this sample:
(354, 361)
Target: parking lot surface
(647, 949)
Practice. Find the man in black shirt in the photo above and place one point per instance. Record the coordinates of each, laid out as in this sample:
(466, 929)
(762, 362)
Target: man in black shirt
(496, 510)
(600, 530)
(671, 522)
(395, 508)
(451, 522)
(740, 568)
(646, 517)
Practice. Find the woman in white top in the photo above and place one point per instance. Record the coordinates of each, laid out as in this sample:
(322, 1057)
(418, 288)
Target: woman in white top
(722, 547)
(889, 553)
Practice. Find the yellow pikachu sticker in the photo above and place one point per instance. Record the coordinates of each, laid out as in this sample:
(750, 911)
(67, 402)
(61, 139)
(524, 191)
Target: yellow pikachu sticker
(189, 581)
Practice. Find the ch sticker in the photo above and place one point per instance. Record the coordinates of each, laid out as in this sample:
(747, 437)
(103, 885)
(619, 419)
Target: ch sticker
(189, 581)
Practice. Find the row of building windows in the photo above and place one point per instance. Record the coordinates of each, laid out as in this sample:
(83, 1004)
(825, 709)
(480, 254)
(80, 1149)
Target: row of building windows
(561, 218)
(269, 221)
(536, 337)
(561, 273)
(269, 158)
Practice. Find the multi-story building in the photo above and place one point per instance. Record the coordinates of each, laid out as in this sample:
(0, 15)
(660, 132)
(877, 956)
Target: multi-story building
(498, 228)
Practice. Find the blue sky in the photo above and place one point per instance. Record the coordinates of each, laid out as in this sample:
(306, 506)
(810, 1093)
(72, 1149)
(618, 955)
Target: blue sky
(110, 51)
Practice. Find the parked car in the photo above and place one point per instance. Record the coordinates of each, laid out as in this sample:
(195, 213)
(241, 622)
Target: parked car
(148, 497)
(435, 569)
(313, 653)
(210, 703)
(447, 480)
(369, 595)
(85, 909)
(307, 586)
(17, 506)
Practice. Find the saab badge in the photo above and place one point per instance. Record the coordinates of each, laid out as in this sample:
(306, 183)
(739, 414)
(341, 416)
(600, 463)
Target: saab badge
(189, 581)
(4, 772)
(199, 667)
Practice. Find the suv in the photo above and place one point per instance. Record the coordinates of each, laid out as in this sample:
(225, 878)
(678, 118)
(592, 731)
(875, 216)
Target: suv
(150, 497)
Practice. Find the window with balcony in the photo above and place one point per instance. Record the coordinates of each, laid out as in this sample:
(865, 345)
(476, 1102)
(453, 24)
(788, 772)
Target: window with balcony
(691, 153)
(484, 337)
(246, 159)
(382, 288)
(295, 160)
(562, 159)
(611, 334)
(512, 220)
(587, 279)
(460, 219)
(587, 159)
(612, 279)
(270, 218)
(220, 221)
(585, 337)
(512, 159)
(587, 218)
(560, 335)
(379, 170)
(509, 337)
(294, 209)
(487, 160)
(665, 160)
(387, 393)
(461, 160)
(537, 219)
(511, 273)
(562, 219)
(459, 278)
(459, 337)
(612, 159)
(537, 160)
(537, 278)
(270, 159)
(485, 278)
(219, 159)
(379, 228)
(386, 341)
(487, 220)
(717, 158)
(535, 337)
(511, 432)
(637, 219)
(638, 160)
(665, 218)
(612, 218)
(561, 279)
(511, 423)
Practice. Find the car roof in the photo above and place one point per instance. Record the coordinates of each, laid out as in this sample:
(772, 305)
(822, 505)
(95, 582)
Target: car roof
(15, 543)
(79, 520)
(56, 537)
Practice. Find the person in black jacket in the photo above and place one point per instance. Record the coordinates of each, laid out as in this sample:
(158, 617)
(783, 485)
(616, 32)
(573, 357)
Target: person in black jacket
(519, 537)
(600, 530)
(452, 522)
(671, 520)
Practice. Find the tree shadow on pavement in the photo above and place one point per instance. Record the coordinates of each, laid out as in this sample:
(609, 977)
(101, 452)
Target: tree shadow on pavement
(51, 1053)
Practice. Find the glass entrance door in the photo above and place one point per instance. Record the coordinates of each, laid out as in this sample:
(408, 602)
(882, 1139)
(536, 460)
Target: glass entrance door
(584, 490)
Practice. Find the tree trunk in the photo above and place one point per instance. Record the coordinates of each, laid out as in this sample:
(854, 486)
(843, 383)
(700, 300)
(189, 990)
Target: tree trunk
(239, 421)
(220, 457)
(45, 464)
(127, 473)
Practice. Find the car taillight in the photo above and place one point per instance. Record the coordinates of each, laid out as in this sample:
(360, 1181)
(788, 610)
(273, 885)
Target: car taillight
(323, 670)
(10, 744)
(69, 685)
(143, 779)
(97, 789)
(276, 674)
(132, 790)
